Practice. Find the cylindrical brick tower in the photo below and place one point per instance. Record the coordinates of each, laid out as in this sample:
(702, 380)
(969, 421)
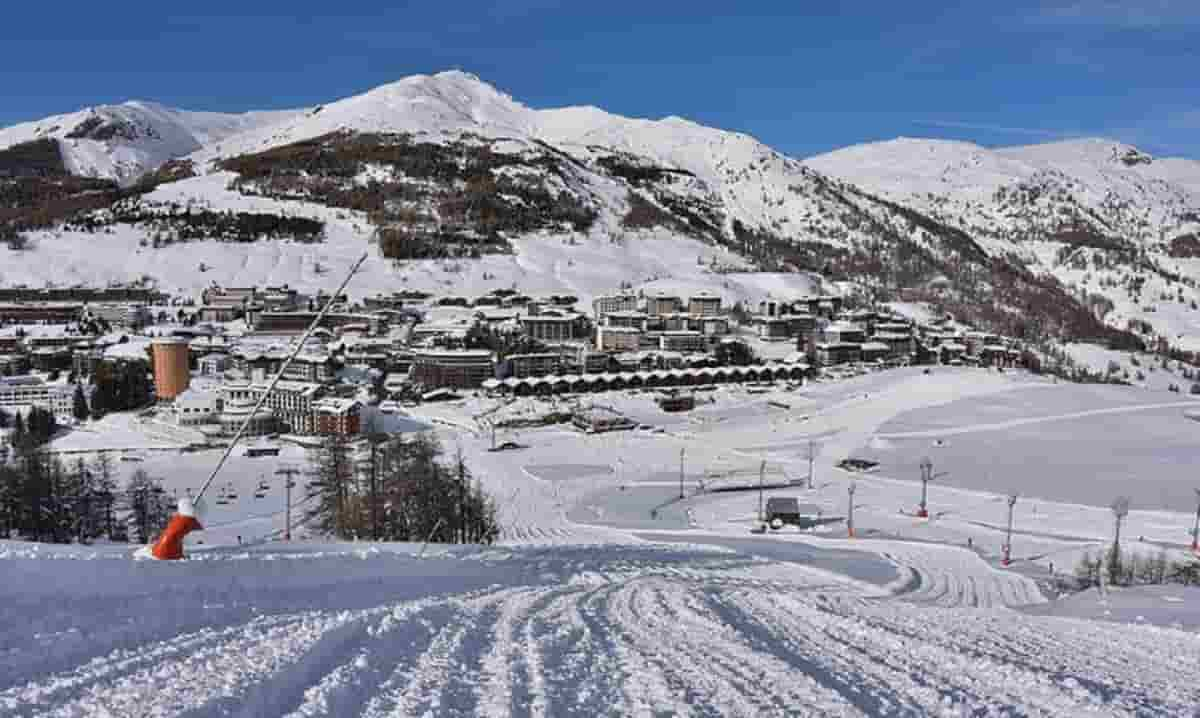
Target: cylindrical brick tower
(171, 373)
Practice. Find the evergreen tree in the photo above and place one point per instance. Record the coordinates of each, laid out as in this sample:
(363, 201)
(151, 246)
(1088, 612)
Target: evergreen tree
(404, 493)
(79, 404)
(148, 507)
(332, 483)
(1087, 571)
(1114, 566)
(424, 498)
(35, 511)
(10, 500)
(60, 502)
(82, 485)
(18, 437)
(120, 386)
(104, 505)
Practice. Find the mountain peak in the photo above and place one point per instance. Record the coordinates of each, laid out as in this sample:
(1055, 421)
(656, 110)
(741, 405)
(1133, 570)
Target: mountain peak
(1100, 151)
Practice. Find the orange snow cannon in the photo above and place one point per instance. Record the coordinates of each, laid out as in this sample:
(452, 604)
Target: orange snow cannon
(185, 521)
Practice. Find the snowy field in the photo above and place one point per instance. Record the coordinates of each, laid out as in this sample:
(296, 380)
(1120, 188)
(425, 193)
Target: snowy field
(1045, 444)
(610, 596)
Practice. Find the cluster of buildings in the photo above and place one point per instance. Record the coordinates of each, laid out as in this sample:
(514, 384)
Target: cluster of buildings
(18, 393)
(210, 375)
(234, 387)
(874, 337)
(628, 340)
(118, 305)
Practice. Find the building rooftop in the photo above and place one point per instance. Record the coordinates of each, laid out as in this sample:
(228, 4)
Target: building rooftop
(455, 353)
(335, 405)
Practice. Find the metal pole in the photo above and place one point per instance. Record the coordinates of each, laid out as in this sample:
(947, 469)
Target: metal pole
(762, 470)
(287, 512)
(681, 453)
(924, 492)
(287, 473)
(811, 449)
(926, 477)
(850, 511)
(271, 387)
(1012, 501)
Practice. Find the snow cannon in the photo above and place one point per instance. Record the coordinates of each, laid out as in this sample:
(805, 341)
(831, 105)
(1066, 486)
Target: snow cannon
(186, 520)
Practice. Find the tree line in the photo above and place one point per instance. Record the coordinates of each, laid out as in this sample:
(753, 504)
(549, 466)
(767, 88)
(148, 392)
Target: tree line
(31, 429)
(43, 499)
(118, 386)
(397, 489)
(1118, 569)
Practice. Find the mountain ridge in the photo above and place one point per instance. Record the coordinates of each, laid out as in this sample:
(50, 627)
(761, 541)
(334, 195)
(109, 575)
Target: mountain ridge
(448, 166)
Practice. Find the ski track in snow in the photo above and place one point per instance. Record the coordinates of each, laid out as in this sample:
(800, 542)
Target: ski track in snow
(644, 629)
(567, 619)
(1013, 423)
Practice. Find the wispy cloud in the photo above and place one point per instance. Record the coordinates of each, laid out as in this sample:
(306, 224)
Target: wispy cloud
(1128, 14)
(1003, 129)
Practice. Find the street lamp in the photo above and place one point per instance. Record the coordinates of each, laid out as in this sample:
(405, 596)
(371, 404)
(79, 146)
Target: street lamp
(287, 472)
(1120, 509)
(926, 477)
(1012, 501)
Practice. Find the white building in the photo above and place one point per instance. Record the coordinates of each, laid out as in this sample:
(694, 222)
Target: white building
(704, 303)
(682, 341)
(607, 304)
(291, 401)
(122, 315)
(20, 393)
(237, 413)
(618, 339)
(637, 320)
(213, 364)
(550, 328)
(195, 407)
(661, 303)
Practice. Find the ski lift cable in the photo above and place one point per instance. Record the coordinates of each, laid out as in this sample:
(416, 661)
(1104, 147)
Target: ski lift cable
(279, 375)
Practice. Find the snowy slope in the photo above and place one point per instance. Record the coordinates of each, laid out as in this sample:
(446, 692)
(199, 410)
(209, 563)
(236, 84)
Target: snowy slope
(1077, 209)
(539, 265)
(122, 142)
(1132, 195)
(586, 619)
(751, 182)
(448, 102)
(563, 631)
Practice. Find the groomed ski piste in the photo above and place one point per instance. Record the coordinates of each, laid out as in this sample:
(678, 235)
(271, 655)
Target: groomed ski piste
(608, 595)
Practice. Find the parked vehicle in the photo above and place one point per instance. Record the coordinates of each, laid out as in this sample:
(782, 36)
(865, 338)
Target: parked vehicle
(785, 509)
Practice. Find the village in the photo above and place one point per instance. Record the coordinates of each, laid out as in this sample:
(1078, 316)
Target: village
(212, 357)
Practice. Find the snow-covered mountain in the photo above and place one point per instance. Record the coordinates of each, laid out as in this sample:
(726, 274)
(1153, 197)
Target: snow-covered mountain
(122, 142)
(1103, 217)
(1124, 193)
(458, 178)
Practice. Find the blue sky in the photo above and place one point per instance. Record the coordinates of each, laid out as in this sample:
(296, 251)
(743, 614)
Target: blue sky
(803, 80)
